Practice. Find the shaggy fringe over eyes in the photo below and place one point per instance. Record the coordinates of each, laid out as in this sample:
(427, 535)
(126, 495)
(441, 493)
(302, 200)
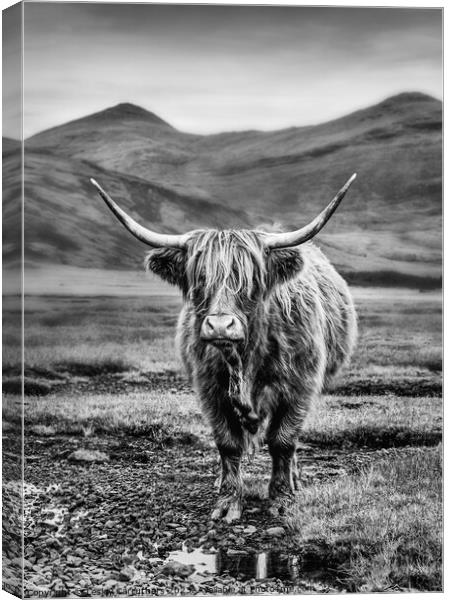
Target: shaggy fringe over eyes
(227, 261)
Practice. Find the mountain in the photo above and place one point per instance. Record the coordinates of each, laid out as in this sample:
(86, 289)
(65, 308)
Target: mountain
(67, 223)
(9, 145)
(390, 221)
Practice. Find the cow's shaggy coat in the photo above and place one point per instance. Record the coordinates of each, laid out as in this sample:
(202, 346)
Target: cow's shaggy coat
(299, 328)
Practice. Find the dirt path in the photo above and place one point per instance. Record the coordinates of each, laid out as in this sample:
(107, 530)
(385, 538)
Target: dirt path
(125, 522)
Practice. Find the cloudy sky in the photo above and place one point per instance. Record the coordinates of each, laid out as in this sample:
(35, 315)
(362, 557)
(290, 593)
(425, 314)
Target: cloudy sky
(215, 68)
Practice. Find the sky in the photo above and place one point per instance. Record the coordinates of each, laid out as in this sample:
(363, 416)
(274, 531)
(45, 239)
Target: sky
(210, 68)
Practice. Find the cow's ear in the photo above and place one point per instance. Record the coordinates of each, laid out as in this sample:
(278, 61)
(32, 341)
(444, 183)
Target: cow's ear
(169, 264)
(284, 264)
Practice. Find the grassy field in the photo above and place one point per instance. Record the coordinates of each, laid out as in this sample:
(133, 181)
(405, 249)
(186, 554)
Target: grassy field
(370, 510)
(400, 335)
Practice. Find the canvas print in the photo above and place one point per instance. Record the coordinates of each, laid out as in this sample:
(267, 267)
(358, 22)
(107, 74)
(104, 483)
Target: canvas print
(222, 303)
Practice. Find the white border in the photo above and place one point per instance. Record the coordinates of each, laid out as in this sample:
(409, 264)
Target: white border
(426, 4)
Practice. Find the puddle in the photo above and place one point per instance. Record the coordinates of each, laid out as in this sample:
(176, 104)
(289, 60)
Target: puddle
(262, 565)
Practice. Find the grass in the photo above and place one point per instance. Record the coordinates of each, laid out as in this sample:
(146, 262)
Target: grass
(135, 413)
(333, 422)
(404, 332)
(380, 529)
(373, 528)
(382, 421)
(400, 337)
(93, 334)
(375, 525)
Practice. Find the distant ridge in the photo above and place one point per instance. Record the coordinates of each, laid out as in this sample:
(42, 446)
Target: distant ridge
(125, 111)
(388, 226)
(120, 113)
(408, 103)
(128, 111)
(405, 98)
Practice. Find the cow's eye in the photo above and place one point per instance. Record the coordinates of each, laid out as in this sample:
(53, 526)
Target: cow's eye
(201, 280)
(196, 295)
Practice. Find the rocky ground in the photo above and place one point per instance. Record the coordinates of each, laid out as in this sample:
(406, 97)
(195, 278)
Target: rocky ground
(129, 515)
(112, 512)
(125, 516)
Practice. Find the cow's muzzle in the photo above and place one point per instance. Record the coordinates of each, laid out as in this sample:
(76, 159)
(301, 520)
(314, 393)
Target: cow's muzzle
(222, 329)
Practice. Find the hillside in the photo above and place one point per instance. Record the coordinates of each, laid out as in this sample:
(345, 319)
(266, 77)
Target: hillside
(65, 223)
(390, 220)
(9, 145)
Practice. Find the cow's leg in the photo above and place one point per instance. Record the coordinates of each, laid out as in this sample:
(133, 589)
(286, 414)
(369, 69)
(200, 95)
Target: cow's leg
(295, 473)
(282, 437)
(282, 483)
(229, 439)
(229, 503)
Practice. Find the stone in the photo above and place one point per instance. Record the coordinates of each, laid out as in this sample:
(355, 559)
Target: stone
(250, 530)
(43, 430)
(73, 561)
(88, 456)
(48, 523)
(126, 574)
(275, 531)
(175, 568)
(109, 584)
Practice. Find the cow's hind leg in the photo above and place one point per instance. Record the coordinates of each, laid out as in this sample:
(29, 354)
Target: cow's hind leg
(295, 472)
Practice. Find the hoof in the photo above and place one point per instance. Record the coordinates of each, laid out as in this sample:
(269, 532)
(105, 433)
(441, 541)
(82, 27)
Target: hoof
(229, 510)
(277, 508)
(280, 499)
(281, 494)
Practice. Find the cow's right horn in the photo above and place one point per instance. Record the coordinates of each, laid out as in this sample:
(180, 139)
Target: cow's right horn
(294, 238)
(157, 240)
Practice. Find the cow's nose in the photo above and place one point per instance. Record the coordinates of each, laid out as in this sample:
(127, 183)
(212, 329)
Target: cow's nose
(221, 327)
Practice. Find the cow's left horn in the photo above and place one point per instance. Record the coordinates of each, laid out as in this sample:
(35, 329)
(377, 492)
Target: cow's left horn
(157, 240)
(294, 238)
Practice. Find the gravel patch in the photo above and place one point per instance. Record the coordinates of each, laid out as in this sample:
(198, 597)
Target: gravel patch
(95, 527)
(125, 526)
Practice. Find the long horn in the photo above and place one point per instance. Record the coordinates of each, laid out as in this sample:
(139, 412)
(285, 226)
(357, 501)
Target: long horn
(157, 240)
(294, 238)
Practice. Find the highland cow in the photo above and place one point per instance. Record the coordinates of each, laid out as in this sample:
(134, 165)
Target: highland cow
(266, 323)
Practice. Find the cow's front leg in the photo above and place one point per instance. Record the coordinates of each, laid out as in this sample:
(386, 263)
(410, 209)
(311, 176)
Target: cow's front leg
(229, 503)
(283, 474)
